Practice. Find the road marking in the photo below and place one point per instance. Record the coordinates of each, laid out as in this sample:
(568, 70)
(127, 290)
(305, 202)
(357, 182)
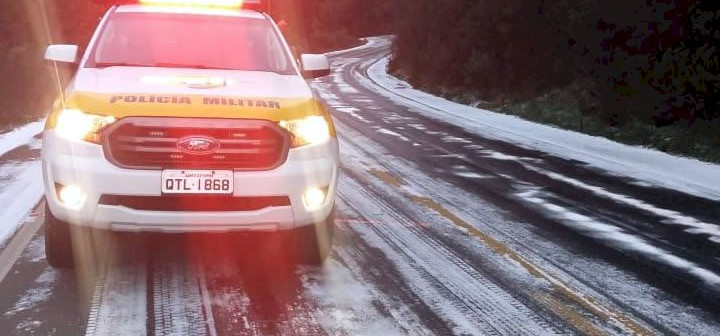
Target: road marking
(14, 249)
(207, 300)
(19, 196)
(465, 299)
(388, 178)
(562, 290)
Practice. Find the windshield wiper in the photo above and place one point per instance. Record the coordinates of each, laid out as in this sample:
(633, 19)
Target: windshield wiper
(175, 65)
(114, 64)
(189, 66)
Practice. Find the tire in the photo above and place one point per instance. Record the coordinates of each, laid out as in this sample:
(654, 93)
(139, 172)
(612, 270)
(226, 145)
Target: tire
(58, 241)
(315, 241)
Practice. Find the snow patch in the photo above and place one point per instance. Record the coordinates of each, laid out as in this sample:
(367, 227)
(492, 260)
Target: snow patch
(119, 304)
(671, 217)
(499, 156)
(454, 139)
(471, 175)
(37, 294)
(19, 198)
(488, 153)
(35, 251)
(20, 136)
(346, 305)
(353, 113)
(619, 238)
(395, 134)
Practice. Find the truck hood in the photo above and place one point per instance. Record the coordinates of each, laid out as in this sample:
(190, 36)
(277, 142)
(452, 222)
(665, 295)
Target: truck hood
(139, 91)
(230, 83)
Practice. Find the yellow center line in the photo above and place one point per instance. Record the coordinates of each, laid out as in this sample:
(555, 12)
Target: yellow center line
(563, 294)
(388, 178)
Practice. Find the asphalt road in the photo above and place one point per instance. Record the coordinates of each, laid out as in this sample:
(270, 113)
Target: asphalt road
(440, 232)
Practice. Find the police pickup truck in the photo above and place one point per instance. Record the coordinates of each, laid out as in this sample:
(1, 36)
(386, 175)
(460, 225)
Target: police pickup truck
(188, 117)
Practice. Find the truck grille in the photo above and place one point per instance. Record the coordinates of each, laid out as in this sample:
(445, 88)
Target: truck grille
(158, 143)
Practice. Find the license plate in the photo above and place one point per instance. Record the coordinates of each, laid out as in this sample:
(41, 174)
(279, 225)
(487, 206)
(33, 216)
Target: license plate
(197, 182)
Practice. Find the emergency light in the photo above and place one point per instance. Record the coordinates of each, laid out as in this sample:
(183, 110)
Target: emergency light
(195, 3)
(257, 5)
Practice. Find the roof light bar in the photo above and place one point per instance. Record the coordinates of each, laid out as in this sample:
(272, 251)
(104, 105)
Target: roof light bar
(257, 5)
(199, 3)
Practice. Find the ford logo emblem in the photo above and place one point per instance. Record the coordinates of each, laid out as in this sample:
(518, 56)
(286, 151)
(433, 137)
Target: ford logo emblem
(198, 145)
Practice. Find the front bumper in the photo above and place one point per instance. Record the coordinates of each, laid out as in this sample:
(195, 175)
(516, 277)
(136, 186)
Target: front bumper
(84, 165)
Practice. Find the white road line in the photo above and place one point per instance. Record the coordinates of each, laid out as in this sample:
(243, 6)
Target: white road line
(19, 197)
(207, 301)
(14, 249)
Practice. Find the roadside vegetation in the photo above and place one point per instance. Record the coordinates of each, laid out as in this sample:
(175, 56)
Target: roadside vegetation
(29, 84)
(641, 72)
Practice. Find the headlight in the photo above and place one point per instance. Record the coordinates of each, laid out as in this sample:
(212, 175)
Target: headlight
(78, 125)
(307, 131)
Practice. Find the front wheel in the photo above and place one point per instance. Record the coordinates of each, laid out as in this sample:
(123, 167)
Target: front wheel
(58, 241)
(315, 241)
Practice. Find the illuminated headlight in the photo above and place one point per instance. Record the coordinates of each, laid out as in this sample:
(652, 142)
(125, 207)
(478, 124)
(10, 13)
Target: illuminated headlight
(307, 131)
(71, 196)
(78, 125)
(314, 198)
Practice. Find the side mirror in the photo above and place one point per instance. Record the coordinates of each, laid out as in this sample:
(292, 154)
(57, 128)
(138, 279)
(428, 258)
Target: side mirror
(65, 53)
(315, 66)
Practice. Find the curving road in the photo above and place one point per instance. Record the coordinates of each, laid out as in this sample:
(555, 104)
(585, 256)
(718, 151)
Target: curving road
(441, 232)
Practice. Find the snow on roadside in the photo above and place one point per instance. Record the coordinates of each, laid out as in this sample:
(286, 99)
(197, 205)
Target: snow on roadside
(20, 136)
(19, 197)
(652, 166)
(22, 181)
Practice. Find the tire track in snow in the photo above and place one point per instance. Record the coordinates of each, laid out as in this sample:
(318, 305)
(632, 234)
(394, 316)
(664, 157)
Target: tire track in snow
(385, 285)
(461, 295)
(343, 304)
(177, 299)
(254, 287)
(229, 302)
(119, 302)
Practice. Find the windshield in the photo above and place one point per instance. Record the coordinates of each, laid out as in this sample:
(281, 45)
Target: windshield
(190, 41)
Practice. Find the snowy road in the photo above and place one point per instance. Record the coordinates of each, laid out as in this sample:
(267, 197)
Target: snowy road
(442, 231)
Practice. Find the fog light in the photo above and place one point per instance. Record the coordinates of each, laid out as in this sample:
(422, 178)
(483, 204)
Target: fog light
(71, 196)
(314, 198)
